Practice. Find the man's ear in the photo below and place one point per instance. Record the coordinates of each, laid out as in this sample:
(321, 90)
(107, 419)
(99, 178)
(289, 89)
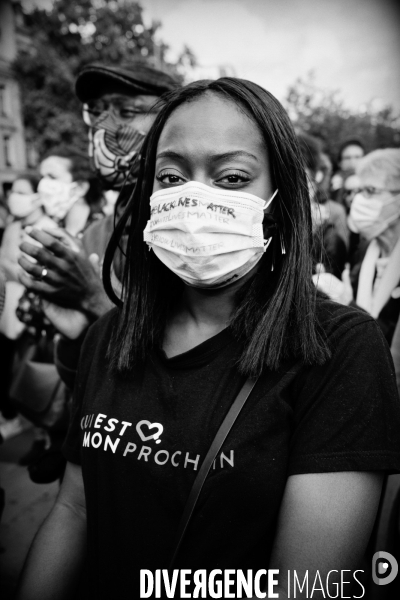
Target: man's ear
(83, 187)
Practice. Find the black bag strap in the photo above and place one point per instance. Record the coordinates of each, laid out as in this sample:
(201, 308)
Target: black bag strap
(217, 442)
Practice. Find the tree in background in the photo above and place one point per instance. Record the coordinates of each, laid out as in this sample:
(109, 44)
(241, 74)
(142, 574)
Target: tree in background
(321, 113)
(63, 40)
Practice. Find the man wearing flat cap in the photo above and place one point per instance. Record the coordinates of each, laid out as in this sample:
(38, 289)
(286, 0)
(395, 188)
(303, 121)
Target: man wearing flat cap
(119, 109)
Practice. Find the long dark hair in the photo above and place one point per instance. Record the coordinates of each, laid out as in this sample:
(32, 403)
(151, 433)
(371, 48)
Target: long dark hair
(275, 316)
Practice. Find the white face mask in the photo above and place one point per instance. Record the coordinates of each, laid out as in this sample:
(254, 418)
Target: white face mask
(22, 205)
(208, 237)
(372, 216)
(58, 197)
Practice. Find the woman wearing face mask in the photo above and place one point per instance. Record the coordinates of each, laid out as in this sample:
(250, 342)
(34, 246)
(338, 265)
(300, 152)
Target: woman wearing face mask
(26, 210)
(218, 289)
(72, 199)
(68, 191)
(375, 216)
(25, 207)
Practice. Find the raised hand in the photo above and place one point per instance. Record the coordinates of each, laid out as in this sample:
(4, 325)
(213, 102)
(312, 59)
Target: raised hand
(63, 274)
(338, 290)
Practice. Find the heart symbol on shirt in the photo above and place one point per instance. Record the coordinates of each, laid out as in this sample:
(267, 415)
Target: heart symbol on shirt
(142, 428)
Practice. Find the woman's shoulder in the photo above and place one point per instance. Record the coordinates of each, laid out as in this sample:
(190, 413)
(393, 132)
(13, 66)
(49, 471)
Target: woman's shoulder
(337, 319)
(102, 328)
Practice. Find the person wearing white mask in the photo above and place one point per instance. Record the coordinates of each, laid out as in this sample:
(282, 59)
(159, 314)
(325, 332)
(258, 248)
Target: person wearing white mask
(62, 189)
(58, 201)
(25, 209)
(218, 294)
(375, 215)
(63, 192)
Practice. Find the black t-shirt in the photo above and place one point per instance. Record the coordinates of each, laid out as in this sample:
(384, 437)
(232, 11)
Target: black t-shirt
(140, 441)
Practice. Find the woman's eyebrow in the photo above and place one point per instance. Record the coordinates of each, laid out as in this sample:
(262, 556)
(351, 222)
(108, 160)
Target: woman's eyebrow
(233, 154)
(170, 154)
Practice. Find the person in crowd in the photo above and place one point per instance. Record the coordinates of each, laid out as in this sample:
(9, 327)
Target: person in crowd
(375, 216)
(67, 195)
(25, 208)
(70, 196)
(218, 289)
(324, 174)
(68, 191)
(350, 153)
(119, 108)
(329, 247)
(315, 165)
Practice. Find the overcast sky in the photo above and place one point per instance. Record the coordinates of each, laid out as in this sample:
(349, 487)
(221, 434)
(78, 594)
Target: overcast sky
(352, 45)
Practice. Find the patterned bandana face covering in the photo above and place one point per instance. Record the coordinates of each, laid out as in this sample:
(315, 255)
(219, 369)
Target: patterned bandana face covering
(114, 148)
(209, 237)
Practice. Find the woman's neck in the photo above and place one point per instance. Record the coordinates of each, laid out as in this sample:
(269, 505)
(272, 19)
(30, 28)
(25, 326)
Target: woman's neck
(213, 307)
(200, 315)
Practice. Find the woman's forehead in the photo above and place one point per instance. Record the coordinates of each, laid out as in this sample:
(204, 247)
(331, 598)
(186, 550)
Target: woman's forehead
(210, 121)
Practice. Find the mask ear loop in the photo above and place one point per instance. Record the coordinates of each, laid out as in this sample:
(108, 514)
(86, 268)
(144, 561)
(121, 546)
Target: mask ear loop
(283, 250)
(270, 200)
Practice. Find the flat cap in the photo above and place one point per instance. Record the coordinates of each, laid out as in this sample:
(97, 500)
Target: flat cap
(136, 77)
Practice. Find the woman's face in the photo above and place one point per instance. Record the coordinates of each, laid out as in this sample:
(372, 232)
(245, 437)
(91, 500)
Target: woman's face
(212, 141)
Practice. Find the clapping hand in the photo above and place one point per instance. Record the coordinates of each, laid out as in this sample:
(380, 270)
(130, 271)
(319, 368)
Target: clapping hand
(63, 274)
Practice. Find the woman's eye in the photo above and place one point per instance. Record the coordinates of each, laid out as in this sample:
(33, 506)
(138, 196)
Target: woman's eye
(169, 178)
(234, 179)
